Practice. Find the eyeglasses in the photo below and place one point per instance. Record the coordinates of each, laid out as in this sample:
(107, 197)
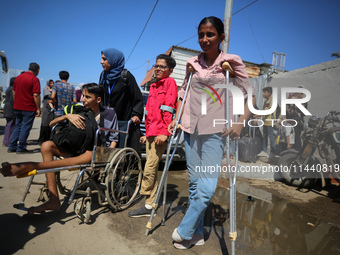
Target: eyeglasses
(160, 67)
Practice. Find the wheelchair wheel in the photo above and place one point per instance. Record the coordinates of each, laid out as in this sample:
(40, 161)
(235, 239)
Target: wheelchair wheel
(83, 209)
(123, 179)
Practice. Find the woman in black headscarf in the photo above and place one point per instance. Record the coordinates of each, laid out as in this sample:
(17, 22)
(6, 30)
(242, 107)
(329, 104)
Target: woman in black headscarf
(122, 93)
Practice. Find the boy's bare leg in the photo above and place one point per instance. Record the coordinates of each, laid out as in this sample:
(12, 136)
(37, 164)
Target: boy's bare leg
(24, 167)
(17, 168)
(48, 151)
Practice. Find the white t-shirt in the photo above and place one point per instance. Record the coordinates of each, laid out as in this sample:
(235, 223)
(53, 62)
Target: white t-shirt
(290, 132)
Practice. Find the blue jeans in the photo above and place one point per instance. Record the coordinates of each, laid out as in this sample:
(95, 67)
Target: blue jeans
(23, 125)
(203, 152)
(268, 131)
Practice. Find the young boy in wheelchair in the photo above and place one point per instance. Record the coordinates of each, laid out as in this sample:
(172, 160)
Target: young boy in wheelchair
(92, 97)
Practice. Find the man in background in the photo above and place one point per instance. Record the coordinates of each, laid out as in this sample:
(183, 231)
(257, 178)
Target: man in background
(63, 94)
(26, 95)
(9, 113)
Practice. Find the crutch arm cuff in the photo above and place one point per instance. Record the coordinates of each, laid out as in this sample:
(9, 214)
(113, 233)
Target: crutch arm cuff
(167, 109)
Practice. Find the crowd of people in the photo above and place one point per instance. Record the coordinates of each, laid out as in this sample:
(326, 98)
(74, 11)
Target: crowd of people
(118, 95)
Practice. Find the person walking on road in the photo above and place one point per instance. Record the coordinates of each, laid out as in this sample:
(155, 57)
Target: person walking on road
(63, 94)
(204, 142)
(26, 94)
(9, 114)
(47, 113)
(158, 115)
(122, 93)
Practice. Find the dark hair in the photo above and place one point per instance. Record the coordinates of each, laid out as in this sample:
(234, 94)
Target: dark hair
(268, 89)
(216, 22)
(11, 81)
(33, 67)
(95, 89)
(64, 75)
(170, 61)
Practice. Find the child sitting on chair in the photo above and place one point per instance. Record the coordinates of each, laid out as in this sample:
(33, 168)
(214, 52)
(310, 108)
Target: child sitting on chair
(92, 97)
(160, 107)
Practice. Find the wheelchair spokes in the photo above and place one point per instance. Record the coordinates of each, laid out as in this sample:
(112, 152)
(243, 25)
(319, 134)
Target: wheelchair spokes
(123, 180)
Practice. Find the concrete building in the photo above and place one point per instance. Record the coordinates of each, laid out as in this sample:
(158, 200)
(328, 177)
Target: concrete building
(322, 81)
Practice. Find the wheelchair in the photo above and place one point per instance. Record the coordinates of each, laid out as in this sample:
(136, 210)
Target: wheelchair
(114, 175)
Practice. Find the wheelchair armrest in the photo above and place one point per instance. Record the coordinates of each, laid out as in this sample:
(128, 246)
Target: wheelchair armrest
(121, 124)
(60, 124)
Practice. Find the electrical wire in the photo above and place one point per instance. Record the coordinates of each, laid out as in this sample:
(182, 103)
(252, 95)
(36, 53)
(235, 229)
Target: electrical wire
(186, 40)
(193, 35)
(142, 30)
(244, 7)
(258, 46)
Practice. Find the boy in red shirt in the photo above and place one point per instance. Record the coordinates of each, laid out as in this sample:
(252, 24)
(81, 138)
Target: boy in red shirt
(162, 97)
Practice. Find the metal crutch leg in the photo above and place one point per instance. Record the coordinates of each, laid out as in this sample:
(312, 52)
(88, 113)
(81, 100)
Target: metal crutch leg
(159, 190)
(21, 204)
(164, 200)
(232, 200)
(166, 180)
(232, 172)
(167, 161)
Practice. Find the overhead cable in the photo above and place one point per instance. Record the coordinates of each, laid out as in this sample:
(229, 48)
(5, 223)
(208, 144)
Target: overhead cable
(142, 31)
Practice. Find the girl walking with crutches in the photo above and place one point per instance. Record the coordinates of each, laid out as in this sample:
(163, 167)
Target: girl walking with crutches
(204, 141)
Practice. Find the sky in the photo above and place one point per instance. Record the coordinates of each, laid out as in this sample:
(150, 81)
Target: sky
(70, 34)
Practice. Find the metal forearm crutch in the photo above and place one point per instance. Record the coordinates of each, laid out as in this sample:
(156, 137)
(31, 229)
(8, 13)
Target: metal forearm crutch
(21, 204)
(163, 181)
(232, 173)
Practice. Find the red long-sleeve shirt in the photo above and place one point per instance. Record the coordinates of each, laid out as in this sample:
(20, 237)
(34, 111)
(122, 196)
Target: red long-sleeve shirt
(164, 92)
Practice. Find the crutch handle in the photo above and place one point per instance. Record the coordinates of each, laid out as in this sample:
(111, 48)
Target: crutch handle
(226, 66)
(191, 69)
(30, 173)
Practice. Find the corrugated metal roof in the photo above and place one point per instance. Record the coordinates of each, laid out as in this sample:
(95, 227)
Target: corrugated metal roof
(187, 49)
(181, 55)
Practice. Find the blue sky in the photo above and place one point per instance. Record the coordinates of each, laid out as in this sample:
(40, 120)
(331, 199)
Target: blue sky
(69, 35)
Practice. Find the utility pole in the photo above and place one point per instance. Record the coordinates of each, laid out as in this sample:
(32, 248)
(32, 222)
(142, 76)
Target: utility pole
(227, 21)
(147, 67)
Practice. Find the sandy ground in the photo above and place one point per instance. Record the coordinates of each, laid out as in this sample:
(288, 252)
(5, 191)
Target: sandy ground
(114, 232)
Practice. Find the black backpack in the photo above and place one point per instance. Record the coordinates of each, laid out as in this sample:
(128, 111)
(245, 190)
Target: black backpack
(76, 141)
(123, 76)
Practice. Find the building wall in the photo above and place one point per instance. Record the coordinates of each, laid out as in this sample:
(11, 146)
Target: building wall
(323, 82)
(181, 55)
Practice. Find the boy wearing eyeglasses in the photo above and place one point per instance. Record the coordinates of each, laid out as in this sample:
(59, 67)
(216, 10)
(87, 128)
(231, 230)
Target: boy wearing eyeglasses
(161, 105)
